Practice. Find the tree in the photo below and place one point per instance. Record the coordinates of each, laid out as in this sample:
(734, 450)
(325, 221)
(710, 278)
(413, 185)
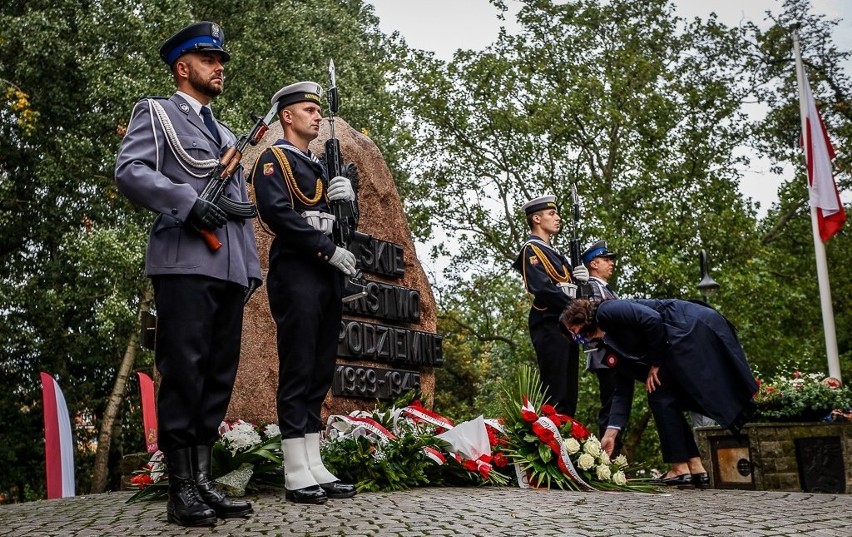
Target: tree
(788, 330)
(72, 281)
(634, 106)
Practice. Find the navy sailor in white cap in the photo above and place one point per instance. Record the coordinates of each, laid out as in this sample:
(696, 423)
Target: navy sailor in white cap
(305, 286)
(550, 279)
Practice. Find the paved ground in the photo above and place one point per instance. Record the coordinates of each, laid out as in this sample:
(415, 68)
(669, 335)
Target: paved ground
(487, 512)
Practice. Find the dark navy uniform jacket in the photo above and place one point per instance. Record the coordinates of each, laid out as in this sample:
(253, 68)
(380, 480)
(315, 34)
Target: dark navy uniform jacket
(281, 201)
(696, 343)
(543, 267)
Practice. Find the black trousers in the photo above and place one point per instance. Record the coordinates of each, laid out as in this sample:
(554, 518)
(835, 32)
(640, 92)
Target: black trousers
(305, 297)
(668, 404)
(199, 325)
(558, 364)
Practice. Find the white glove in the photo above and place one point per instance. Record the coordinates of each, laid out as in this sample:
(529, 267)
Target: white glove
(344, 260)
(581, 274)
(340, 189)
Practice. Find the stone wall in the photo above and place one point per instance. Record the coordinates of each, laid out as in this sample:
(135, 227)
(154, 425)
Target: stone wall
(810, 457)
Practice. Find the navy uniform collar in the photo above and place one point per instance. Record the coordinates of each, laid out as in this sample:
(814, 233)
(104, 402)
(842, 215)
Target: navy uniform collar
(286, 144)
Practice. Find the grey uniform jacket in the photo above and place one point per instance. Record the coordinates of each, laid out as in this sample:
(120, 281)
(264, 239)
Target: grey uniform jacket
(600, 291)
(149, 173)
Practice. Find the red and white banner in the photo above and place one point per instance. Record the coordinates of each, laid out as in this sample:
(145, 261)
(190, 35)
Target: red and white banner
(58, 444)
(149, 411)
(818, 155)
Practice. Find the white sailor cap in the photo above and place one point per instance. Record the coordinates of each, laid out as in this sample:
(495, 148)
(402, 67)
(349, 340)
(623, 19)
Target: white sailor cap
(539, 204)
(296, 93)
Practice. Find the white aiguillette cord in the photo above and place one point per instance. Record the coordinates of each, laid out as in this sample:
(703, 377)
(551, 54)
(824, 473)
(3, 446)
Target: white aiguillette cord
(184, 159)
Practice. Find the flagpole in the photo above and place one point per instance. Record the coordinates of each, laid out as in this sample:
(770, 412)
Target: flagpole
(819, 246)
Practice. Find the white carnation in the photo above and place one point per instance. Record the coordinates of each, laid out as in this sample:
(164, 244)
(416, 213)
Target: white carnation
(585, 461)
(241, 436)
(271, 430)
(619, 478)
(572, 446)
(603, 472)
(621, 461)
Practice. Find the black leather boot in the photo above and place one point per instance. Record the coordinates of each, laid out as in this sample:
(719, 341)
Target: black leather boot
(185, 507)
(211, 495)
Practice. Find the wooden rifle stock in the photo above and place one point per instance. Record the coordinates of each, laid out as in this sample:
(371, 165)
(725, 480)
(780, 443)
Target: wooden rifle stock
(210, 238)
(228, 164)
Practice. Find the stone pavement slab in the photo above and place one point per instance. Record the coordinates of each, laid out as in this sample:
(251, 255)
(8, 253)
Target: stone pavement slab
(485, 512)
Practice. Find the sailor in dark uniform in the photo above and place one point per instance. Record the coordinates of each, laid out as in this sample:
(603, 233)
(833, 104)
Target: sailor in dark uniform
(600, 262)
(305, 286)
(163, 163)
(549, 278)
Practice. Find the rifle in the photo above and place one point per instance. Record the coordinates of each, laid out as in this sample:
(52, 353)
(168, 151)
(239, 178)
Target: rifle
(345, 212)
(574, 245)
(224, 170)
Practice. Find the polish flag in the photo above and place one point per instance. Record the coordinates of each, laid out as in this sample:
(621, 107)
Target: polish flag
(818, 156)
(58, 444)
(149, 411)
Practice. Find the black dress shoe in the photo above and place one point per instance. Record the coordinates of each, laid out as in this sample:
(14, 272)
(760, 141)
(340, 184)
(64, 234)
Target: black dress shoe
(682, 481)
(312, 494)
(701, 481)
(338, 489)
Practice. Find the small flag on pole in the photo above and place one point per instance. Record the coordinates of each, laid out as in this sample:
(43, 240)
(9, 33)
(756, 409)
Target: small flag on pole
(58, 444)
(818, 155)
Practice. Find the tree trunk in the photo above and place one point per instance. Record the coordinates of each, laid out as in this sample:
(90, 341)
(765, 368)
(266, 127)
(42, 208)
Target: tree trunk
(100, 472)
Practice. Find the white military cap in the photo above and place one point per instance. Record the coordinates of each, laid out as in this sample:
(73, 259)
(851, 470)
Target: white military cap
(296, 93)
(539, 204)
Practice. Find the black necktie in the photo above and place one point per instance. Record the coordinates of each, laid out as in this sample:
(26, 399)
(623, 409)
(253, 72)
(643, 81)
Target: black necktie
(207, 116)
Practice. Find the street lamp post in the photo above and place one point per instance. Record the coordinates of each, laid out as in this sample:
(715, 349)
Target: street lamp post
(707, 285)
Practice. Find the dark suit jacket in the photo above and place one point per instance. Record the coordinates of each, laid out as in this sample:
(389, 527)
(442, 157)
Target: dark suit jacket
(694, 342)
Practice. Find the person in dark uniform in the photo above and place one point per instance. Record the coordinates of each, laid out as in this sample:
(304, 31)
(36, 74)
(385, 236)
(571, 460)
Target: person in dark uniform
(694, 360)
(549, 278)
(163, 163)
(305, 286)
(600, 262)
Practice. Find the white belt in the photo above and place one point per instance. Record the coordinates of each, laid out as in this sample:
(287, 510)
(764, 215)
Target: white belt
(320, 221)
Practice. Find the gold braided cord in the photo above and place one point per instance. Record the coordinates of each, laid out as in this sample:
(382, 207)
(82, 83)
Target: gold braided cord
(290, 179)
(551, 271)
(253, 197)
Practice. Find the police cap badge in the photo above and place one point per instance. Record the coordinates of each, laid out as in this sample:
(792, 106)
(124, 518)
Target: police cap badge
(197, 37)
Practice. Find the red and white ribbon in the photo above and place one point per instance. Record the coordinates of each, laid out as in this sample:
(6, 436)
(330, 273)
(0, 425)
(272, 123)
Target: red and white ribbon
(354, 427)
(423, 415)
(558, 447)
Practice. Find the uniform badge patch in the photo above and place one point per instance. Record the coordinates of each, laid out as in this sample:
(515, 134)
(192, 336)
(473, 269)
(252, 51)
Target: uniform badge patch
(533, 260)
(184, 107)
(268, 169)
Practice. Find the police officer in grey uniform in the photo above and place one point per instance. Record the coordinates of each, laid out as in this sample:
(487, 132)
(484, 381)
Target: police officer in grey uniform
(163, 164)
(600, 262)
(550, 279)
(305, 286)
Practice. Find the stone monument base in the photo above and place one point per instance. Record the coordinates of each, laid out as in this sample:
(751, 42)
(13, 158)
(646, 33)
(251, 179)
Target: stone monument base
(808, 457)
